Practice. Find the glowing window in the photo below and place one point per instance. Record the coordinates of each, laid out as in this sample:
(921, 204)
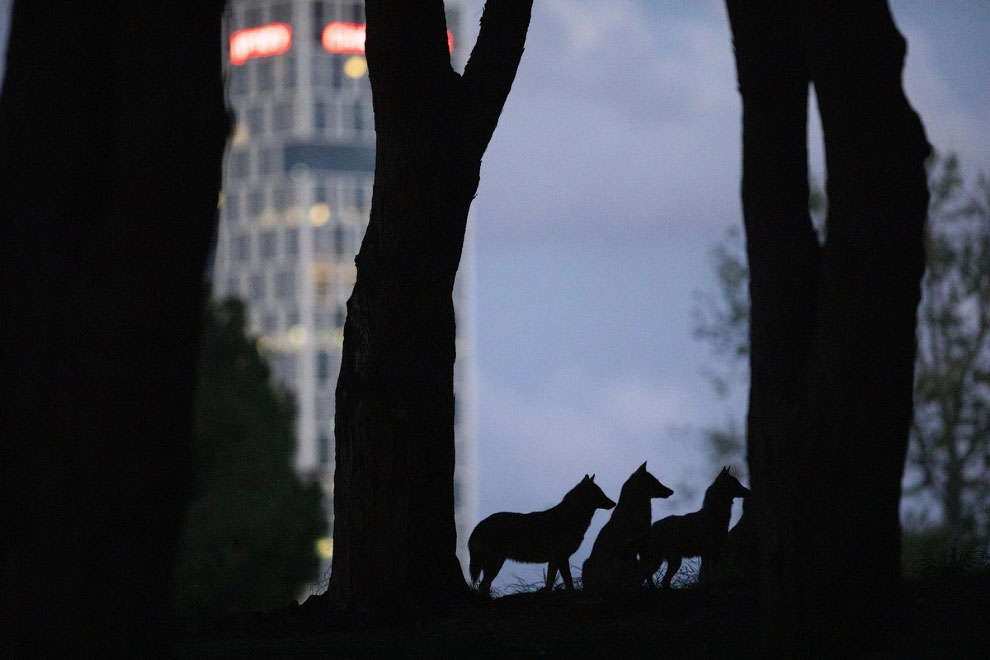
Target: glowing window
(264, 41)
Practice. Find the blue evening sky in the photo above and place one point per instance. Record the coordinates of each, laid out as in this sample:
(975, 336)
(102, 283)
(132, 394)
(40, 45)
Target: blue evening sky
(614, 169)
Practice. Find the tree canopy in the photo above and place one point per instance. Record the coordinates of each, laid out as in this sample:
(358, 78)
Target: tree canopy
(249, 537)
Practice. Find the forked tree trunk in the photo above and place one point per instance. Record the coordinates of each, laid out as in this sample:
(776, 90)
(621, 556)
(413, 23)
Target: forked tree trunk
(112, 127)
(394, 536)
(833, 328)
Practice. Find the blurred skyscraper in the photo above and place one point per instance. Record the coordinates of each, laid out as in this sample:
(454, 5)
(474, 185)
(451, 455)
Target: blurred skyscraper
(5, 7)
(296, 200)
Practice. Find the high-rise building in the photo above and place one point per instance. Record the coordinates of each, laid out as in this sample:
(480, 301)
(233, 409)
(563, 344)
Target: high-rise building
(296, 200)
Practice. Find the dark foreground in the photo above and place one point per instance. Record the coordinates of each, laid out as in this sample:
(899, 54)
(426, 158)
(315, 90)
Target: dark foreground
(944, 619)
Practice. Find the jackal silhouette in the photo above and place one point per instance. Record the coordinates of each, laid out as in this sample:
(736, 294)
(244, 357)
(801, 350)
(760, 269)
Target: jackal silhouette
(550, 536)
(613, 564)
(699, 534)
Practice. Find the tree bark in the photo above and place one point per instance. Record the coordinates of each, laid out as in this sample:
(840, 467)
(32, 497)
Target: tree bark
(112, 127)
(833, 328)
(394, 536)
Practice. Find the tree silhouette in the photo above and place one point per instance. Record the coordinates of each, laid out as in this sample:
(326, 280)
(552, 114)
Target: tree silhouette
(832, 332)
(950, 441)
(112, 126)
(394, 537)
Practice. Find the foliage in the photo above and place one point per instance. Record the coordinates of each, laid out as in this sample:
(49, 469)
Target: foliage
(249, 536)
(949, 451)
(949, 455)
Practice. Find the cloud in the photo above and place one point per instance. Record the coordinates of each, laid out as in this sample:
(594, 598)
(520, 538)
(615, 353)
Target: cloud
(619, 124)
(570, 424)
(618, 56)
(950, 124)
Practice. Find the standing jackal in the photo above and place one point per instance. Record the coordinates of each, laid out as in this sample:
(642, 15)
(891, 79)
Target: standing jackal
(699, 534)
(549, 536)
(612, 564)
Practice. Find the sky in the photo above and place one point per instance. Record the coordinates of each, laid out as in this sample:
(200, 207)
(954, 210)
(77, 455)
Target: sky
(613, 171)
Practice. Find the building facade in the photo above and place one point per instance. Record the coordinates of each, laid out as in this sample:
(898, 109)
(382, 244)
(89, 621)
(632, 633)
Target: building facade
(296, 200)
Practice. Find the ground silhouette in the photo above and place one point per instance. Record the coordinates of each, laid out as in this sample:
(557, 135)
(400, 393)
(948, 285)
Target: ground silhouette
(944, 617)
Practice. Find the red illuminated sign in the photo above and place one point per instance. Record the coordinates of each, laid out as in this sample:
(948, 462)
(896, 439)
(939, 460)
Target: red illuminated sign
(271, 39)
(348, 38)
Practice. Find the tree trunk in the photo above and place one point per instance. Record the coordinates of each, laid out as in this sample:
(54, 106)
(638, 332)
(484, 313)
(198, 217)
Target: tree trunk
(112, 127)
(832, 328)
(394, 536)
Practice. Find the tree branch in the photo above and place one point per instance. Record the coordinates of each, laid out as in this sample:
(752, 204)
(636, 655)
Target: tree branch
(492, 67)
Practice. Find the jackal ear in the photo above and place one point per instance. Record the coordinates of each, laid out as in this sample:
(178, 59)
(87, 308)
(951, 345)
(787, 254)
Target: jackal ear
(642, 468)
(592, 477)
(586, 477)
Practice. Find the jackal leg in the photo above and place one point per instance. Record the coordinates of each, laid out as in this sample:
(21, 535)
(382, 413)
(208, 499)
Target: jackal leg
(552, 574)
(565, 574)
(489, 569)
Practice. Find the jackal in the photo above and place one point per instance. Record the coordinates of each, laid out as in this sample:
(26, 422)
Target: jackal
(549, 536)
(699, 534)
(613, 564)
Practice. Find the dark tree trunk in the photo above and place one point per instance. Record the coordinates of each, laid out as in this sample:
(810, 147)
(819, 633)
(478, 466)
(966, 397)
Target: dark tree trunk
(394, 538)
(112, 127)
(833, 328)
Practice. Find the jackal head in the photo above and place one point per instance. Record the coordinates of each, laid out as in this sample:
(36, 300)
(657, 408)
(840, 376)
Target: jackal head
(728, 486)
(589, 493)
(645, 484)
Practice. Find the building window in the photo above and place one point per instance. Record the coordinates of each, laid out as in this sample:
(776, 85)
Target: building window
(233, 287)
(237, 81)
(320, 194)
(336, 71)
(325, 455)
(266, 244)
(319, 115)
(322, 366)
(292, 242)
(256, 288)
(265, 69)
(253, 17)
(282, 117)
(256, 120)
(360, 199)
(285, 282)
(242, 247)
(319, 20)
(340, 316)
(292, 318)
(282, 13)
(338, 241)
(256, 201)
(269, 323)
(268, 162)
(232, 204)
(356, 12)
(288, 72)
(238, 164)
(322, 240)
(283, 197)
